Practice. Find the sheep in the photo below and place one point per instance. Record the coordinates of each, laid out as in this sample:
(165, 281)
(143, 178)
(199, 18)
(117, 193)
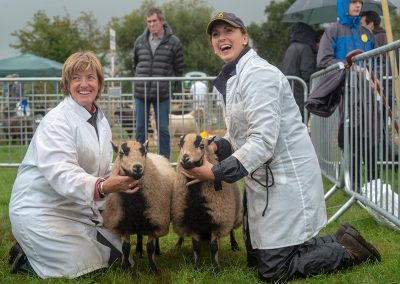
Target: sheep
(148, 211)
(203, 211)
(182, 124)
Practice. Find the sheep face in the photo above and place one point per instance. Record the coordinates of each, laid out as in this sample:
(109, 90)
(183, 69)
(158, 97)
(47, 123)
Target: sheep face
(132, 157)
(193, 149)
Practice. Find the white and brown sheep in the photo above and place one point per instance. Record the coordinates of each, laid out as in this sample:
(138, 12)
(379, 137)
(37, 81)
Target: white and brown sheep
(203, 211)
(180, 124)
(148, 211)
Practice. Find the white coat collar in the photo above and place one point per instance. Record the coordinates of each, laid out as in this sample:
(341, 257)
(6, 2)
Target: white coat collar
(80, 110)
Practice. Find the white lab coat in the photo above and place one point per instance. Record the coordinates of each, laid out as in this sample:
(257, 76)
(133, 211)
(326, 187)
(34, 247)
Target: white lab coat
(53, 215)
(263, 122)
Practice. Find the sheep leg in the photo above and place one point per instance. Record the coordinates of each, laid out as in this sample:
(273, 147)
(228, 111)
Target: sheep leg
(158, 252)
(179, 243)
(139, 245)
(234, 244)
(126, 249)
(150, 248)
(214, 255)
(196, 250)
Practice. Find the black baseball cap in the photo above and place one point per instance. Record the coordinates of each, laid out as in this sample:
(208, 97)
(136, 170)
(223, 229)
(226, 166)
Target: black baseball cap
(229, 18)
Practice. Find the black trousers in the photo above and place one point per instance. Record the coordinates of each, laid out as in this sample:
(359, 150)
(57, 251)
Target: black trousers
(317, 255)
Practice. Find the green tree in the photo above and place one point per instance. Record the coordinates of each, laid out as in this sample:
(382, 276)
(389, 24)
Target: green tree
(395, 23)
(272, 38)
(57, 38)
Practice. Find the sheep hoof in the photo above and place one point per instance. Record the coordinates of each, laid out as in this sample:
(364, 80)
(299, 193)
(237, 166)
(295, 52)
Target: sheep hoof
(154, 270)
(126, 265)
(235, 246)
(215, 271)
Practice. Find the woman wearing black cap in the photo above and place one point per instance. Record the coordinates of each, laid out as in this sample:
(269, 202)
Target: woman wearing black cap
(267, 144)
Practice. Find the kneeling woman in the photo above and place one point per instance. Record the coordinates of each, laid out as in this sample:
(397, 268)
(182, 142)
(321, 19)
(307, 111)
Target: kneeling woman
(60, 186)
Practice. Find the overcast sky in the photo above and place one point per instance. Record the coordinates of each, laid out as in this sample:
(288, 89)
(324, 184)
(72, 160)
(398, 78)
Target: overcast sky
(16, 13)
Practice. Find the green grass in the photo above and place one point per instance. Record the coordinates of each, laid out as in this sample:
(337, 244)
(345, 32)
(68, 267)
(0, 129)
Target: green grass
(176, 264)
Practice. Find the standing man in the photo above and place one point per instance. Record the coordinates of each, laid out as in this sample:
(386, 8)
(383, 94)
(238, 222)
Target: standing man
(371, 20)
(156, 53)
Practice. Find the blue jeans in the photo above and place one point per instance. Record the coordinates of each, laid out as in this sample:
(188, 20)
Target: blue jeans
(161, 110)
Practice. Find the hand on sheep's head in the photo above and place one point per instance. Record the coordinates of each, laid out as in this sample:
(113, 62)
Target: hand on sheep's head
(118, 183)
(199, 174)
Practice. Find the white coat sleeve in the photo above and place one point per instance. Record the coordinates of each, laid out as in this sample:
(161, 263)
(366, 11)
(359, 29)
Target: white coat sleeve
(260, 88)
(57, 159)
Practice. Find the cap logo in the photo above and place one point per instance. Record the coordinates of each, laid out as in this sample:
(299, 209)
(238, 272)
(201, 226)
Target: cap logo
(220, 15)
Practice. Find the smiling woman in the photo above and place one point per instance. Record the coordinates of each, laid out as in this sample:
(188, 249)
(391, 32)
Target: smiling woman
(268, 146)
(67, 173)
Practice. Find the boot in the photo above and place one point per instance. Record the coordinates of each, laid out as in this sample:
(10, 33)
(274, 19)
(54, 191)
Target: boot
(19, 262)
(358, 248)
(342, 229)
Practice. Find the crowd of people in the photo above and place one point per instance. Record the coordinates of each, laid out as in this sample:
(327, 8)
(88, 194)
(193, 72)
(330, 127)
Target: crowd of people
(67, 171)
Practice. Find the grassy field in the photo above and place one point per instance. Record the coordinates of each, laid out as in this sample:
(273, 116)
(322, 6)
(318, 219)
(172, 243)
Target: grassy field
(176, 264)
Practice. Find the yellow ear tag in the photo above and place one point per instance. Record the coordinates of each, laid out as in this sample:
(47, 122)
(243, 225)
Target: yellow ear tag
(364, 38)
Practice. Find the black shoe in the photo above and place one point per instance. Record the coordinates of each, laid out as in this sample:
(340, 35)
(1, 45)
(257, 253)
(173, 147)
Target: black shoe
(358, 248)
(13, 253)
(19, 262)
(342, 229)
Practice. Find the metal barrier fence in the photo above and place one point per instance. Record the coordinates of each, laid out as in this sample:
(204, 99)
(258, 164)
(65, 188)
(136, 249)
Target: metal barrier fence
(324, 135)
(295, 81)
(194, 104)
(367, 168)
(192, 110)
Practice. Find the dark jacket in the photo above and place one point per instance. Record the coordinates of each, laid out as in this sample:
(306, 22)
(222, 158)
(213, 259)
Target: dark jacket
(300, 58)
(380, 36)
(167, 61)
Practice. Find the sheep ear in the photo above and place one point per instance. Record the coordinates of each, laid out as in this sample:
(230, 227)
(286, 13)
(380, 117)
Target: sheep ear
(146, 145)
(181, 141)
(114, 146)
(211, 139)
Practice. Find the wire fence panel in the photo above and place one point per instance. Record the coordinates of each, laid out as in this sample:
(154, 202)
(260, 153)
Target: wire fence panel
(198, 109)
(357, 145)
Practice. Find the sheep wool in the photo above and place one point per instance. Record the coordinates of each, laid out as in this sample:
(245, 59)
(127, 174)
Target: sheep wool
(200, 211)
(146, 212)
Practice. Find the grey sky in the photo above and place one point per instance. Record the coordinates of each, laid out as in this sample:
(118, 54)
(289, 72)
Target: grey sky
(16, 13)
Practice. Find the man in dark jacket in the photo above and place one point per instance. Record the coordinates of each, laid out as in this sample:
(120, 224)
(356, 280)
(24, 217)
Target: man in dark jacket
(156, 53)
(371, 20)
(300, 59)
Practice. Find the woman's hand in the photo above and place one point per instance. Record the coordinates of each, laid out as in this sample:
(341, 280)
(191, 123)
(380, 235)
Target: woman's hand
(117, 183)
(199, 174)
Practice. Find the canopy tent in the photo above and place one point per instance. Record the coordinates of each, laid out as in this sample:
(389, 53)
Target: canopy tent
(29, 65)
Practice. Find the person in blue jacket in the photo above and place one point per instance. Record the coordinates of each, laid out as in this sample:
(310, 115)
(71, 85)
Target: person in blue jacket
(346, 35)
(340, 38)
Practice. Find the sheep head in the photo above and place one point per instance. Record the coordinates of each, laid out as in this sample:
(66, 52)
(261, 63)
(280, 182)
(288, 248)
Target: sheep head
(132, 158)
(193, 150)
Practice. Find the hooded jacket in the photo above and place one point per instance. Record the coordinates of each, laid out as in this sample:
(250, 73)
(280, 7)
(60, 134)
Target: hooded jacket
(300, 58)
(342, 37)
(167, 61)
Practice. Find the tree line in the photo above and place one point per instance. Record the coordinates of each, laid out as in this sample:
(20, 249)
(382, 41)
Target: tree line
(56, 38)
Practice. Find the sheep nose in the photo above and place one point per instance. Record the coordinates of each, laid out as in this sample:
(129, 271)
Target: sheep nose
(137, 169)
(185, 158)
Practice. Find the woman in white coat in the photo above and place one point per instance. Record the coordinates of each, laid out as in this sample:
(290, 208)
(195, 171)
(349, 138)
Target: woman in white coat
(62, 181)
(267, 144)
